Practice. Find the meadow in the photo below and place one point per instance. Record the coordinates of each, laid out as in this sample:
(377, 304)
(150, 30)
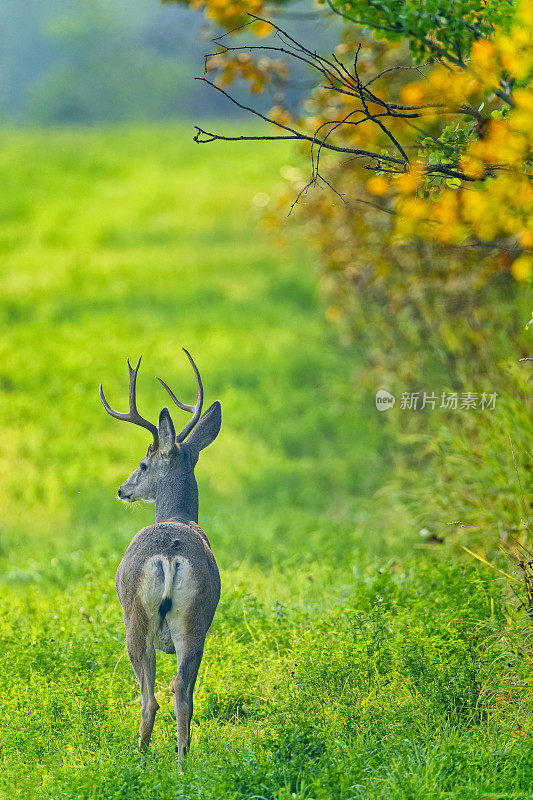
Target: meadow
(348, 658)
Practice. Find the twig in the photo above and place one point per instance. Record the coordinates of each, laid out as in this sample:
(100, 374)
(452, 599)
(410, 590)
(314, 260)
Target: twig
(294, 134)
(338, 78)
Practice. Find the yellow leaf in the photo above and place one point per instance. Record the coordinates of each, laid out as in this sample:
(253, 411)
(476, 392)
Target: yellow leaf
(407, 183)
(377, 185)
(412, 93)
(472, 167)
(526, 239)
(414, 208)
(483, 54)
(262, 29)
(333, 314)
(522, 267)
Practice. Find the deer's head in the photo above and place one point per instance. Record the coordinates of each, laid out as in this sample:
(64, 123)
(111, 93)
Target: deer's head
(170, 456)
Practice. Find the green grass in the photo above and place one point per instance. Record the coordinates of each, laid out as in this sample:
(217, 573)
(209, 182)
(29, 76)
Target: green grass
(345, 661)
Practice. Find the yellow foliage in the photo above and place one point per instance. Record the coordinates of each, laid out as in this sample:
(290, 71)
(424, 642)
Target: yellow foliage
(451, 86)
(483, 55)
(522, 268)
(412, 93)
(509, 56)
(500, 145)
(377, 185)
(497, 199)
(472, 167)
(281, 115)
(414, 208)
(445, 213)
(333, 314)
(475, 206)
(525, 12)
(483, 193)
(232, 14)
(484, 62)
(408, 182)
(526, 239)
(262, 29)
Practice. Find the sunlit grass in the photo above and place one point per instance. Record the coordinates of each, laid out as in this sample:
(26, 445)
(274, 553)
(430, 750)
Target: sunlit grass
(338, 667)
(144, 243)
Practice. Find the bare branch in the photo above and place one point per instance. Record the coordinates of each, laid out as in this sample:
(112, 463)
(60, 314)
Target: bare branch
(415, 67)
(264, 48)
(337, 78)
(213, 137)
(382, 157)
(372, 118)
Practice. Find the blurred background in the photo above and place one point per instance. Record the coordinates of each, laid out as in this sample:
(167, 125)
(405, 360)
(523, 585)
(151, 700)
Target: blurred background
(68, 62)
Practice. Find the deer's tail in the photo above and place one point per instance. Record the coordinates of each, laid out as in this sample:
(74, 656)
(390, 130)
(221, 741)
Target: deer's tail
(169, 569)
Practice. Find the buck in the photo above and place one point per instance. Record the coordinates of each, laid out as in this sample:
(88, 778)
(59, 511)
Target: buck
(168, 582)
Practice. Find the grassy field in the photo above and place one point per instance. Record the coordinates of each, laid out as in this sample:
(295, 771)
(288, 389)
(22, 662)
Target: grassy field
(346, 660)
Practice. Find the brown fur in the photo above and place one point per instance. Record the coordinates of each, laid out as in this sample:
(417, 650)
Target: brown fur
(169, 539)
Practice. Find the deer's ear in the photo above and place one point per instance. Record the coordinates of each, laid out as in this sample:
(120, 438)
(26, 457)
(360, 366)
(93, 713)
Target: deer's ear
(207, 428)
(167, 434)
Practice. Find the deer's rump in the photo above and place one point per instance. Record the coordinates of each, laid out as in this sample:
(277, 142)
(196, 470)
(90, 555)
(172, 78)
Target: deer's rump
(177, 587)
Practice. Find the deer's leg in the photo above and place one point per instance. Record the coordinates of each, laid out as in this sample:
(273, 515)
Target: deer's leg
(142, 656)
(189, 659)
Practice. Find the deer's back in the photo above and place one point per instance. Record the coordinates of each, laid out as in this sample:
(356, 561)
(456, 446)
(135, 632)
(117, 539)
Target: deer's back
(175, 558)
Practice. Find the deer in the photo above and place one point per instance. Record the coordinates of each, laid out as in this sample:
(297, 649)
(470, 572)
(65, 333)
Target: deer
(168, 582)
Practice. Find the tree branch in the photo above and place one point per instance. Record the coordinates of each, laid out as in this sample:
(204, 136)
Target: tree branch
(345, 82)
(381, 157)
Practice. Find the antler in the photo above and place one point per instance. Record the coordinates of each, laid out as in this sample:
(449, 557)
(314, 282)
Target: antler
(133, 415)
(195, 410)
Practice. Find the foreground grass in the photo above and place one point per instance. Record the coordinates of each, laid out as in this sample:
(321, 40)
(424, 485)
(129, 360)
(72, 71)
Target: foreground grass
(383, 686)
(340, 665)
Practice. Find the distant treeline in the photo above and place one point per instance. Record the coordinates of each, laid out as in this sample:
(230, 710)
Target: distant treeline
(84, 61)
(90, 61)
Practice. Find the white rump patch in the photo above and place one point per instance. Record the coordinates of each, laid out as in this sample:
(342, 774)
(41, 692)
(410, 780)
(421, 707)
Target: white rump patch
(172, 578)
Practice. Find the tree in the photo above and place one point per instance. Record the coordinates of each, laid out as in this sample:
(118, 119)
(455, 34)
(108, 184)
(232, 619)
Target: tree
(95, 61)
(449, 150)
(419, 131)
